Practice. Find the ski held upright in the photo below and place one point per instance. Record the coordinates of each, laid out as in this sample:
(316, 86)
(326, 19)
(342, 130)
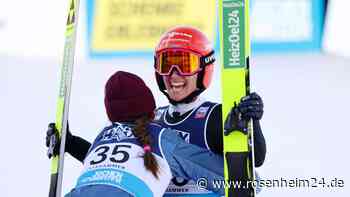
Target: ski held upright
(57, 161)
(235, 52)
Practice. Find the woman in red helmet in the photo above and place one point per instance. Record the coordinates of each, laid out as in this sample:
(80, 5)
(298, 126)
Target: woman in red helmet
(184, 64)
(184, 61)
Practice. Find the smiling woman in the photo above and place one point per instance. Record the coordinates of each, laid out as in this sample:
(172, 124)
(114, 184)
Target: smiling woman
(189, 53)
(184, 62)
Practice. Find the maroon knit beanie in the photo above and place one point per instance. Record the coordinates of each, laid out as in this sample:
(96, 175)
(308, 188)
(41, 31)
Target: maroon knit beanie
(127, 97)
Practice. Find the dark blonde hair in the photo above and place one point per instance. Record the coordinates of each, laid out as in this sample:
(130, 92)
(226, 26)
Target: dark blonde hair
(145, 139)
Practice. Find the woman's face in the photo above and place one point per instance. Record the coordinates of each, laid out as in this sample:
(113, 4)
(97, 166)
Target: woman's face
(179, 87)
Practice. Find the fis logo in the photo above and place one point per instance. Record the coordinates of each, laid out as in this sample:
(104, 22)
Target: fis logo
(118, 132)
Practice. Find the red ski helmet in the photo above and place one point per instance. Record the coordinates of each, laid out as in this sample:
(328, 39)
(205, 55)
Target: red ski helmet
(188, 39)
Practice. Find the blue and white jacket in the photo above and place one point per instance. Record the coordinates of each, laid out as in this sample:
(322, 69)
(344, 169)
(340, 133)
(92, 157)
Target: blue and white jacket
(114, 164)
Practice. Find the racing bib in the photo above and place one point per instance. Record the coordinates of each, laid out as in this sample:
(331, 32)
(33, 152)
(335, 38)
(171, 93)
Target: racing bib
(121, 165)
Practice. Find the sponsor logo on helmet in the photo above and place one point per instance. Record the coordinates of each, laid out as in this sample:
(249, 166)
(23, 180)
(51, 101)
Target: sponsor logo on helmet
(172, 34)
(209, 59)
(175, 42)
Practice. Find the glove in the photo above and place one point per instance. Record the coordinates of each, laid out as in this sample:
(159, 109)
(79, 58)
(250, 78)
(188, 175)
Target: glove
(251, 107)
(52, 140)
(234, 121)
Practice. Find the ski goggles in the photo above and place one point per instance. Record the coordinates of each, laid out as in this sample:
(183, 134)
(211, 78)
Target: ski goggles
(186, 62)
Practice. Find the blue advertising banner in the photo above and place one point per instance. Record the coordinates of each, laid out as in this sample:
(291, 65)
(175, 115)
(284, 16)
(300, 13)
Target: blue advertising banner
(287, 25)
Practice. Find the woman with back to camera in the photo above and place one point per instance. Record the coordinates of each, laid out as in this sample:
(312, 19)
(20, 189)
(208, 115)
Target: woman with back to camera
(135, 157)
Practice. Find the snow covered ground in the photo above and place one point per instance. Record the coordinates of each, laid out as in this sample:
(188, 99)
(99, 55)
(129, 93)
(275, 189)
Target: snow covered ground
(305, 122)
